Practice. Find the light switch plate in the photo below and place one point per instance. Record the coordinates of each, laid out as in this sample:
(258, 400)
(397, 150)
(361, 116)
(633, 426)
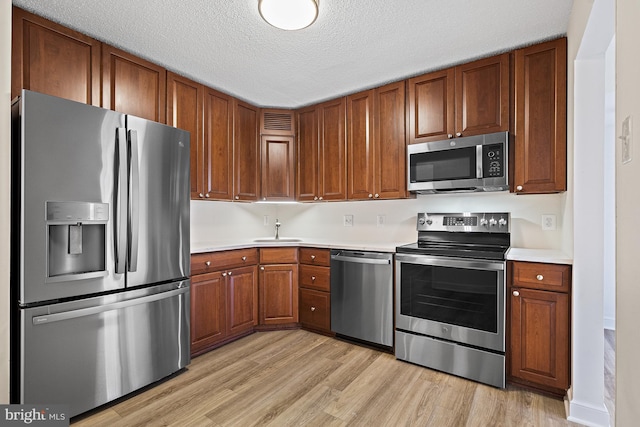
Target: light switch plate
(348, 220)
(266, 220)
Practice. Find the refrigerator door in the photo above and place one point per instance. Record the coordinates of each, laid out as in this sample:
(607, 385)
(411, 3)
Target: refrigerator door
(158, 245)
(64, 197)
(89, 352)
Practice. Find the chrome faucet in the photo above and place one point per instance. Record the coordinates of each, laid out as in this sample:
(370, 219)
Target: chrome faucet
(278, 224)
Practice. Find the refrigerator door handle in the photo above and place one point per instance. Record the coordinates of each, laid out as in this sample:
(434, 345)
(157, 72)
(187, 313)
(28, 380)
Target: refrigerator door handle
(121, 201)
(134, 194)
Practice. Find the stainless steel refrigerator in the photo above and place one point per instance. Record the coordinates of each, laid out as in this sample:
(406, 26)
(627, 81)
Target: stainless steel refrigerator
(100, 252)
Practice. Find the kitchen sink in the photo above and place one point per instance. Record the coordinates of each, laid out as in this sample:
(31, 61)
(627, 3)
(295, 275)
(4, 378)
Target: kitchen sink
(274, 240)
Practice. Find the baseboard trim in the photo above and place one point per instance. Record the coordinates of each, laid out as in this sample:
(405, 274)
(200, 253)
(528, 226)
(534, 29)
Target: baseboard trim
(587, 414)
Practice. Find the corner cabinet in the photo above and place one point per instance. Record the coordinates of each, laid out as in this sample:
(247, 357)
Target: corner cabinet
(540, 151)
(376, 143)
(278, 287)
(224, 297)
(539, 337)
(322, 154)
(470, 99)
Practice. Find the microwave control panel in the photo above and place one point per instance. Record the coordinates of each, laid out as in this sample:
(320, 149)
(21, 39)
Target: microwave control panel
(493, 161)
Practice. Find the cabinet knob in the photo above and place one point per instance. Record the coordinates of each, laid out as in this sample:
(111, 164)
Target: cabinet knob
(244, 258)
(540, 277)
(313, 257)
(224, 274)
(320, 198)
(313, 278)
(229, 273)
(262, 268)
(207, 263)
(516, 293)
(237, 197)
(313, 309)
(206, 195)
(450, 136)
(458, 134)
(315, 197)
(201, 195)
(371, 196)
(519, 188)
(376, 195)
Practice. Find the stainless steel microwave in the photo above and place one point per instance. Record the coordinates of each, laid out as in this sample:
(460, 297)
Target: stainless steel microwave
(467, 164)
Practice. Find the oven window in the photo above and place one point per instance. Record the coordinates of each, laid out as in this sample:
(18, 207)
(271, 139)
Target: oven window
(443, 165)
(456, 296)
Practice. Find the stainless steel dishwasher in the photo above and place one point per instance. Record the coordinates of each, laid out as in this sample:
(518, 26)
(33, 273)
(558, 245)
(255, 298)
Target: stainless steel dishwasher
(362, 295)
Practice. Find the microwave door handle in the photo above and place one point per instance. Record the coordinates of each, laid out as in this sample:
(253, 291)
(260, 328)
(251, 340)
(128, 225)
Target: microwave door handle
(479, 173)
(134, 212)
(121, 201)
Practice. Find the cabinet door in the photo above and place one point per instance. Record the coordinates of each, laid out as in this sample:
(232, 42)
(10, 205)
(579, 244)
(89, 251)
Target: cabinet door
(431, 106)
(315, 310)
(332, 167)
(52, 59)
(208, 310)
(278, 294)
(242, 299)
(540, 337)
(278, 167)
(132, 85)
(184, 110)
(482, 96)
(218, 145)
(541, 118)
(389, 147)
(360, 113)
(307, 144)
(246, 152)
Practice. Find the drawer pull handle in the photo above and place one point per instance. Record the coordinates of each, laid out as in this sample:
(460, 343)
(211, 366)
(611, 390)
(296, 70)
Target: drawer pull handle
(244, 258)
(516, 293)
(540, 277)
(313, 309)
(207, 263)
(313, 257)
(313, 278)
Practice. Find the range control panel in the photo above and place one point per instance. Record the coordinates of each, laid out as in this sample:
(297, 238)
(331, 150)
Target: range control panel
(491, 222)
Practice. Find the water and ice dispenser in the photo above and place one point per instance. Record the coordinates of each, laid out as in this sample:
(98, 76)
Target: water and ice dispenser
(77, 238)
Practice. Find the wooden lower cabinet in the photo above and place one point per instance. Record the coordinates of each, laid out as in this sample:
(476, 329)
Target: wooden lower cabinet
(539, 349)
(315, 290)
(242, 299)
(315, 310)
(208, 310)
(278, 286)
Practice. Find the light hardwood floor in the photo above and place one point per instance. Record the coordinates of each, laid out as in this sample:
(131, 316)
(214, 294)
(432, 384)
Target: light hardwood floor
(298, 378)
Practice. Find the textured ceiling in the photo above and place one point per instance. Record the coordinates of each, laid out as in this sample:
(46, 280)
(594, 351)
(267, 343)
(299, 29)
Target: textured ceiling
(353, 45)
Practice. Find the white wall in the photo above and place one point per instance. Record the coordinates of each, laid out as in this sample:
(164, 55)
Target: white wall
(628, 209)
(5, 200)
(222, 221)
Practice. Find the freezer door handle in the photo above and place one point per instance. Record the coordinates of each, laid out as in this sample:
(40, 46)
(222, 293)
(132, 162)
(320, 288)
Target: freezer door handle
(83, 312)
(121, 200)
(134, 195)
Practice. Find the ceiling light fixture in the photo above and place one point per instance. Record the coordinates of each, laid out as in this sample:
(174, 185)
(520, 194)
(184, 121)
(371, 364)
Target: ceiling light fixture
(289, 14)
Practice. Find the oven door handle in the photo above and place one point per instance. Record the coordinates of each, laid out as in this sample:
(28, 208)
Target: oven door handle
(451, 262)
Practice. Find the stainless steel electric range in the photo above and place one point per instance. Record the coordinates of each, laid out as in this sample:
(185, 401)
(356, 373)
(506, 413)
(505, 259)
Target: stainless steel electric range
(450, 295)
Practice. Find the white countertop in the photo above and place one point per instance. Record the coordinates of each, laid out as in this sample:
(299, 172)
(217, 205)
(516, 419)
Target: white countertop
(201, 247)
(550, 256)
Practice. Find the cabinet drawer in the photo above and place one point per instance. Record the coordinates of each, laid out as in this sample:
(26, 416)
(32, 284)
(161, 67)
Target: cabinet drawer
(533, 275)
(315, 256)
(278, 255)
(315, 309)
(215, 261)
(315, 277)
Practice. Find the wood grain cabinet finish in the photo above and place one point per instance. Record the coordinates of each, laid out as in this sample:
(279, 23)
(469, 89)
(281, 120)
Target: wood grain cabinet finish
(541, 118)
(539, 349)
(469, 99)
(208, 311)
(242, 299)
(55, 60)
(321, 151)
(218, 145)
(278, 286)
(278, 167)
(376, 143)
(315, 289)
(246, 152)
(132, 85)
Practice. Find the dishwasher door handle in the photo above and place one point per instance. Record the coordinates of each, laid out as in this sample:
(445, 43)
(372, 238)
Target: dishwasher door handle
(359, 260)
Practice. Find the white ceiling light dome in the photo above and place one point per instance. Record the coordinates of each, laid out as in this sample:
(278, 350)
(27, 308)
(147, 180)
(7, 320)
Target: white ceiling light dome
(289, 14)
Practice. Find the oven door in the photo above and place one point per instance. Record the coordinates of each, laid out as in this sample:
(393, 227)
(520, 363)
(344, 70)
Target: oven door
(461, 300)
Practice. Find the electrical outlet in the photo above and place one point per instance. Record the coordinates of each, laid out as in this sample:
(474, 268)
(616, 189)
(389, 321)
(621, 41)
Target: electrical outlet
(548, 222)
(266, 220)
(380, 221)
(627, 140)
(348, 220)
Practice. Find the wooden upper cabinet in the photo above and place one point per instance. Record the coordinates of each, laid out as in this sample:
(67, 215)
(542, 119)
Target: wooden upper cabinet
(540, 150)
(218, 145)
(470, 99)
(360, 130)
(307, 154)
(185, 103)
(52, 59)
(246, 152)
(278, 167)
(482, 96)
(332, 165)
(132, 85)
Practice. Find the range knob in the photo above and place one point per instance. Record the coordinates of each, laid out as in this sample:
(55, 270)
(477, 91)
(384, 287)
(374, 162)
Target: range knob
(492, 222)
(502, 222)
(483, 222)
(429, 222)
(421, 220)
